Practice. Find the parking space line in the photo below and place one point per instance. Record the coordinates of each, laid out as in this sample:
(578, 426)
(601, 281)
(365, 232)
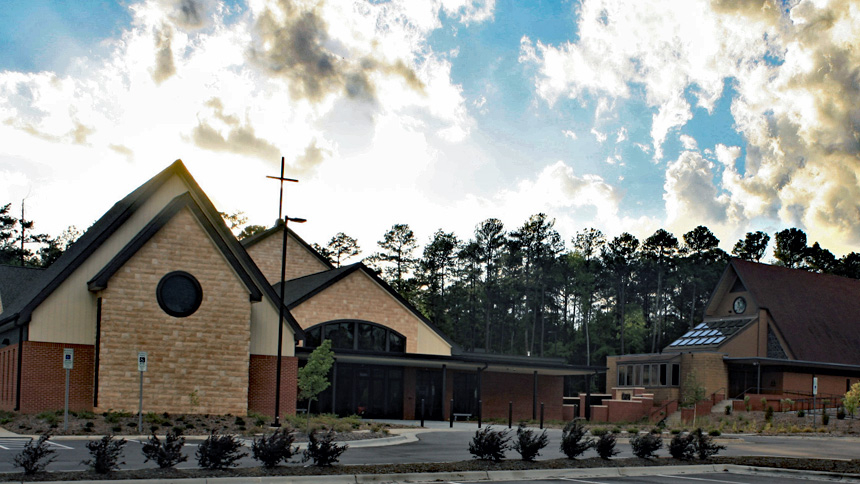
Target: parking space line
(60, 445)
(4, 448)
(699, 479)
(577, 480)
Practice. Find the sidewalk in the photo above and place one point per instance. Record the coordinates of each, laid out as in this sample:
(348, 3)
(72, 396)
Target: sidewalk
(491, 476)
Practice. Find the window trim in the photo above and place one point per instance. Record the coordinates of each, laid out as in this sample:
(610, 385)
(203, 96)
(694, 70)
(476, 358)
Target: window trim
(355, 334)
(633, 374)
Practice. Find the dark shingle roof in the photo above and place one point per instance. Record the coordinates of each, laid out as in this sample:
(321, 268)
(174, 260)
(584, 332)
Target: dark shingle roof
(15, 281)
(818, 315)
(31, 296)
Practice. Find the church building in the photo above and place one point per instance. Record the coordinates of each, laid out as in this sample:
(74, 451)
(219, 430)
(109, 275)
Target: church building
(159, 273)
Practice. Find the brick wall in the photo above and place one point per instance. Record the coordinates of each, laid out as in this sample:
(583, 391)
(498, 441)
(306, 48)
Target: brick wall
(358, 297)
(197, 364)
(261, 384)
(500, 388)
(267, 255)
(8, 376)
(43, 381)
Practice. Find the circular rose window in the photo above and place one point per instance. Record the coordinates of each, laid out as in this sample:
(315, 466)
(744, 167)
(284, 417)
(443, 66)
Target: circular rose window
(179, 294)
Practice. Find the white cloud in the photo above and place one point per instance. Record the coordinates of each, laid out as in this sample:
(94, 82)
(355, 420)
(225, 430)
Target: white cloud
(798, 115)
(688, 142)
(601, 137)
(569, 134)
(224, 90)
(622, 135)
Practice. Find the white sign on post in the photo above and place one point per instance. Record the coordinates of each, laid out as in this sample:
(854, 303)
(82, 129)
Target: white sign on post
(141, 361)
(68, 358)
(815, 385)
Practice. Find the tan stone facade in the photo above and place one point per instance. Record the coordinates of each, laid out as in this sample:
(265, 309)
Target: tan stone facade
(197, 364)
(357, 296)
(267, 255)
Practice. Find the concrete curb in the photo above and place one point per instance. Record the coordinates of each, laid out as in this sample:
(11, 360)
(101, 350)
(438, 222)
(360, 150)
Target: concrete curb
(490, 476)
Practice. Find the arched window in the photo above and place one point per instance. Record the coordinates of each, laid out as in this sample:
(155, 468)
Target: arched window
(356, 335)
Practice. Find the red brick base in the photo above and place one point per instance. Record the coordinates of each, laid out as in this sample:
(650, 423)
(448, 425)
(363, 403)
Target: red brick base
(261, 384)
(43, 381)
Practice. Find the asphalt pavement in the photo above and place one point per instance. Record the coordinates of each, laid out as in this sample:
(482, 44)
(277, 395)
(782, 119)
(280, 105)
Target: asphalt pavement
(438, 443)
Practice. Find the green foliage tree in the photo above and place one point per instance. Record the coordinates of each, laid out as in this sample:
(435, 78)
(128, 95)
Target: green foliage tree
(396, 257)
(15, 234)
(313, 377)
(250, 230)
(851, 400)
(693, 392)
(342, 247)
(752, 247)
(790, 247)
(55, 246)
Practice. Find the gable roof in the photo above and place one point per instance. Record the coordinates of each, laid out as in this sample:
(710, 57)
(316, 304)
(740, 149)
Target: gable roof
(19, 312)
(818, 315)
(299, 290)
(14, 281)
(275, 229)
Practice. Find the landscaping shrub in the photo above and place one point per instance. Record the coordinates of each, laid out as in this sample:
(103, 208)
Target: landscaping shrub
(704, 445)
(768, 414)
(840, 413)
(573, 443)
(155, 419)
(714, 433)
(645, 446)
(272, 449)
(801, 413)
(605, 446)
(35, 456)
(166, 453)
(728, 410)
(681, 447)
(104, 454)
(489, 444)
(633, 430)
(322, 449)
(598, 431)
(219, 452)
(825, 418)
(747, 405)
(529, 445)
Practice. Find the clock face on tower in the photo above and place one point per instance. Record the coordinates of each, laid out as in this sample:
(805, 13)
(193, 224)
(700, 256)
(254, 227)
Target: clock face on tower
(740, 305)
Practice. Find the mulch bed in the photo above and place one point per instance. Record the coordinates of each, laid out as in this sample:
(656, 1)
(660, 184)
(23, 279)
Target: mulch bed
(825, 465)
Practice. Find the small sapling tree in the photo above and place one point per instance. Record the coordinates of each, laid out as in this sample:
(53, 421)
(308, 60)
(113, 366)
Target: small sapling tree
(573, 441)
(35, 456)
(528, 444)
(693, 393)
(313, 377)
(851, 400)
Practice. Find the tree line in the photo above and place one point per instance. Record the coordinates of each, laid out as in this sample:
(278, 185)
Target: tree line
(523, 291)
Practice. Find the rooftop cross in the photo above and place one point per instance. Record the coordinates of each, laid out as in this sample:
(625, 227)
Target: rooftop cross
(282, 179)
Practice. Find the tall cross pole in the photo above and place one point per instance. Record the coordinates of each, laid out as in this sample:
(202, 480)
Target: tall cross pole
(282, 179)
(277, 422)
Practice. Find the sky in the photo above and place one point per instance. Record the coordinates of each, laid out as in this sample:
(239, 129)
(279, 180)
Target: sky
(626, 116)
